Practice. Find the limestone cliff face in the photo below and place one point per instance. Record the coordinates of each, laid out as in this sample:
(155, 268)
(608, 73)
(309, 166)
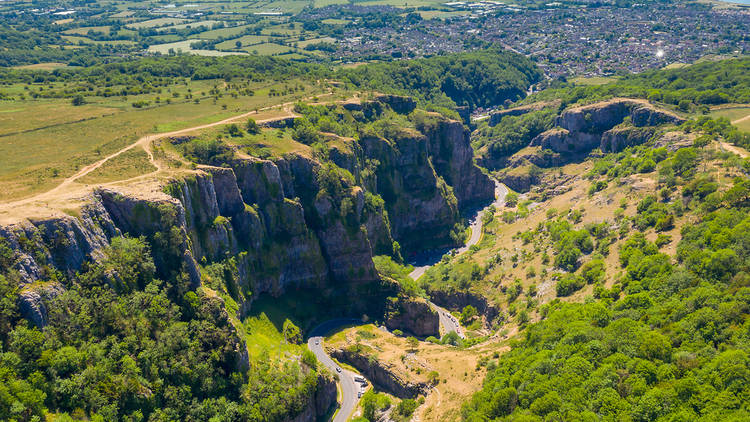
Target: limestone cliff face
(421, 207)
(413, 316)
(610, 126)
(453, 158)
(162, 221)
(457, 300)
(62, 242)
(619, 138)
(382, 374)
(582, 129)
(320, 402)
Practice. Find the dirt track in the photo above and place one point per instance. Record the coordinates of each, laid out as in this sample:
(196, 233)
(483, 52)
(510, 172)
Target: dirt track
(68, 190)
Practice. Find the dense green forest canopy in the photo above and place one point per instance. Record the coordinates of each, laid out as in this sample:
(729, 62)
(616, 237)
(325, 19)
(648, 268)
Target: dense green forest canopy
(157, 71)
(706, 83)
(134, 347)
(474, 79)
(669, 341)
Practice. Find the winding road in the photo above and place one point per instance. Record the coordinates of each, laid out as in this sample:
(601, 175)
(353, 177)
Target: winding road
(349, 387)
(447, 322)
(476, 234)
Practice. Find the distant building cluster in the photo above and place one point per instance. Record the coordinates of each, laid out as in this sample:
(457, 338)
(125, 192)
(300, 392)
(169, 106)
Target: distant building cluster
(565, 41)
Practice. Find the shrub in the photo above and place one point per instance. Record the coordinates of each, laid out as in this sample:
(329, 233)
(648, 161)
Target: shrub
(406, 407)
(569, 284)
(252, 127)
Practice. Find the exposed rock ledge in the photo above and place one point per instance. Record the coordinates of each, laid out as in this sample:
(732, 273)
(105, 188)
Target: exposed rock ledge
(414, 316)
(582, 129)
(381, 374)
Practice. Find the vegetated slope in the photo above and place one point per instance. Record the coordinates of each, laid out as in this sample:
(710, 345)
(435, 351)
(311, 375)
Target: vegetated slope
(475, 79)
(662, 333)
(687, 90)
(668, 340)
(705, 83)
(133, 77)
(102, 298)
(120, 343)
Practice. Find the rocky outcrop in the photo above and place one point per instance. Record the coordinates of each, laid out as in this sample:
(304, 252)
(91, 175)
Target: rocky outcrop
(62, 242)
(421, 207)
(563, 141)
(457, 300)
(413, 316)
(279, 123)
(398, 103)
(519, 182)
(536, 156)
(621, 137)
(32, 301)
(161, 220)
(673, 141)
(381, 374)
(602, 116)
(452, 156)
(582, 129)
(320, 402)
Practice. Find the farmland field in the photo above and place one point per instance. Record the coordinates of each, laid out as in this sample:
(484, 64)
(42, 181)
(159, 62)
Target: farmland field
(740, 113)
(267, 49)
(38, 149)
(219, 33)
(185, 47)
(246, 40)
(156, 23)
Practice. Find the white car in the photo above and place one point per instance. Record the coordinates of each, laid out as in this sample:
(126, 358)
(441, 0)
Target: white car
(317, 342)
(338, 369)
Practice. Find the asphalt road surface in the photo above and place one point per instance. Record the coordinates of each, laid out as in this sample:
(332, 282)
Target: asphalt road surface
(349, 387)
(448, 322)
(476, 232)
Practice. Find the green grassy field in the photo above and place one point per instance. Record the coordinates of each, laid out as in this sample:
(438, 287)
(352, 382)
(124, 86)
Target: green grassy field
(733, 114)
(263, 337)
(185, 47)
(81, 40)
(43, 66)
(267, 49)
(303, 44)
(43, 141)
(281, 30)
(596, 80)
(208, 24)
(129, 164)
(156, 23)
(246, 40)
(218, 33)
(85, 29)
(335, 21)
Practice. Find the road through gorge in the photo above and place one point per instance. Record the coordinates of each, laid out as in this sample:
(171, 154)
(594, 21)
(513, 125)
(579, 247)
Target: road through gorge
(349, 387)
